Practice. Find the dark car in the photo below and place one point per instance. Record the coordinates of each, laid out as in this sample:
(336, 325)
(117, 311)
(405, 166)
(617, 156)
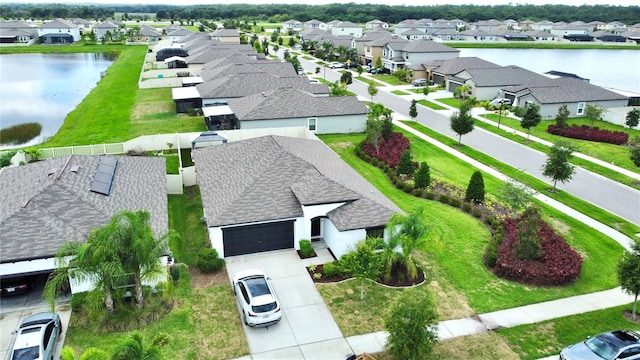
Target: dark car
(36, 337)
(619, 344)
(15, 286)
(166, 53)
(351, 65)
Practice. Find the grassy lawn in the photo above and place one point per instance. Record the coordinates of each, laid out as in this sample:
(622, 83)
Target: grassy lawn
(431, 105)
(580, 205)
(367, 80)
(548, 338)
(185, 212)
(389, 79)
(400, 92)
(615, 154)
(457, 240)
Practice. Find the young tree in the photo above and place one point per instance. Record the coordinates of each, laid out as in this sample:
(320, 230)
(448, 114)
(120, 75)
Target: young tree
(531, 118)
(346, 78)
(557, 165)
(413, 110)
(412, 326)
(92, 353)
(378, 63)
(629, 273)
(425, 91)
(462, 121)
(635, 155)
(594, 112)
(422, 177)
(362, 262)
(372, 89)
(291, 42)
(633, 118)
(265, 46)
(562, 116)
(405, 165)
(338, 88)
(375, 127)
(527, 245)
(475, 189)
(359, 70)
(516, 195)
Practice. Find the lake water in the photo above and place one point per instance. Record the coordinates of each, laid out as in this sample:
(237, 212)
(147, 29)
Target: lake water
(44, 88)
(617, 69)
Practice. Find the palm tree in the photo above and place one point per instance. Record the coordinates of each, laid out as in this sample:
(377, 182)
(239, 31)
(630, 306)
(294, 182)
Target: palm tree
(95, 260)
(134, 349)
(409, 233)
(138, 249)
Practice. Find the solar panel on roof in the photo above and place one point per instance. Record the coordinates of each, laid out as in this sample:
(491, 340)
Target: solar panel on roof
(103, 178)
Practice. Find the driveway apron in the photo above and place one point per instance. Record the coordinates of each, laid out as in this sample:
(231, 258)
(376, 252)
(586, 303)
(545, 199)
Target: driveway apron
(307, 329)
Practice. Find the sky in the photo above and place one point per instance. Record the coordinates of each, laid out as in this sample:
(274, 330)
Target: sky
(319, 2)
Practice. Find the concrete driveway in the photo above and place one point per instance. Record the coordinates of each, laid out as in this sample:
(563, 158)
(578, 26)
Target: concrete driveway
(307, 329)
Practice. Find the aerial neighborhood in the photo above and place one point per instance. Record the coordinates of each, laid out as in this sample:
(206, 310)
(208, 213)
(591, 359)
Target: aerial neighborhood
(265, 179)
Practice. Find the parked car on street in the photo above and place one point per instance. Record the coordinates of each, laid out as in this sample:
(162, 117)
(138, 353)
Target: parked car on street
(36, 337)
(419, 82)
(258, 303)
(335, 65)
(619, 344)
(15, 286)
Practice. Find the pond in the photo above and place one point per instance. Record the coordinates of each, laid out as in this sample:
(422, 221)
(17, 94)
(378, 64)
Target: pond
(44, 88)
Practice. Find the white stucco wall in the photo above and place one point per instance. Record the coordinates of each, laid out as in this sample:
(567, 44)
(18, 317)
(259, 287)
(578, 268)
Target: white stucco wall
(324, 125)
(341, 242)
(314, 211)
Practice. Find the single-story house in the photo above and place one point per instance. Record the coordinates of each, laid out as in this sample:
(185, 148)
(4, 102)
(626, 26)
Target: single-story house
(439, 72)
(550, 94)
(50, 202)
(59, 31)
(270, 192)
(292, 24)
(231, 36)
(487, 83)
(295, 107)
(17, 31)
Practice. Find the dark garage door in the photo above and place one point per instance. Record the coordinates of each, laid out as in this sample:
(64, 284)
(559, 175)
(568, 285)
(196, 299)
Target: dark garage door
(256, 238)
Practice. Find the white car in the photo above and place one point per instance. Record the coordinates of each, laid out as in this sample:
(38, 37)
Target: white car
(36, 337)
(500, 101)
(336, 65)
(258, 303)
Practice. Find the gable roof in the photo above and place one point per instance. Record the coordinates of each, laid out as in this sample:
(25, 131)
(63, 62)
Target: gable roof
(47, 203)
(420, 46)
(270, 178)
(294, 103)
(106, 25)
(567, 90)
(504, 76)
(456, 65)
(256, 66)
(59, 24)
(246, 84)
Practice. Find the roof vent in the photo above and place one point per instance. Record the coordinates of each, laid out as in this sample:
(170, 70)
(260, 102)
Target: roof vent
(75, 169)
(264, 94)
(52, 171)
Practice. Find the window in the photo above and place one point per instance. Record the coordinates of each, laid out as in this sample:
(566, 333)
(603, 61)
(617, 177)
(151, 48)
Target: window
(376, 232)
(312, 124)
(580, 110)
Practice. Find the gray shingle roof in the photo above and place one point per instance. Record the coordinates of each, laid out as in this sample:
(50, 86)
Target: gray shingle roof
(256, 66)
(240, 85)
(271, 177)
(59, 24)
(504, 76)
(456, 65)
(39, 212)
(567, 90)
(294, 103)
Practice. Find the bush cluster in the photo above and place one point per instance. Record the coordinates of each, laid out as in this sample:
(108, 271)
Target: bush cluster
(390, 149)
(585, 132)
(306, 249)
(559, 264)
(208, 261)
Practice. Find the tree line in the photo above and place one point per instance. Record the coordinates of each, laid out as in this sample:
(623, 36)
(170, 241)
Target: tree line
(356, 13)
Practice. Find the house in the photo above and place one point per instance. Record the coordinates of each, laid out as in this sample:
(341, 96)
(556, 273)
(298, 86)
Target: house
(477, 35)
(179, 33)
(84, 25)
(294, 107)
(59, 31)
(376, 24)
(447, 34)
(538, 35)
(102, 28)
(415, 34)
(270, 192)
(397, 54)
(346, 28)
(50, 202)
(292, 24)
(551, 93)
(408, 24)
(364, 50)
(149, 34)
(315, 24)
(510, 35)
(487, 83)
(220, 90)
(17, 31)
(442, 71)
(488, 25)
(570, 30)
(230, 36)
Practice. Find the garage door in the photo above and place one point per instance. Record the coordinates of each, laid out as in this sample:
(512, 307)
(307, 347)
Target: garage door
(256, 238)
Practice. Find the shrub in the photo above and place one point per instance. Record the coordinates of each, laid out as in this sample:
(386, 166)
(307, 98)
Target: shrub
(635, 155)
(5, 159)
(430, 195)
(490, 256)
(475, 189)
(558, 265)
(306, 249)
(78, 300)
(443, 198)
(332, 269)
(455, 202)
(476, 212)
(585, 132)
(417, 192)
(208, 260)
(389, 149)
(466, 207)
(423, 176)
(174, 270)
(405, 166)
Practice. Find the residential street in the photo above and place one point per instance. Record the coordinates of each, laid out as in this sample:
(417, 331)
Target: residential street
(600, 191)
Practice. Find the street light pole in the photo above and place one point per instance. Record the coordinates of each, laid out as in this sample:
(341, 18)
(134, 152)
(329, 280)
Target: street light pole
(499, 114)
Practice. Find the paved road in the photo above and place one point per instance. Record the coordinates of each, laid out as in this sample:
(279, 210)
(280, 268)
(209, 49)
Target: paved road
(614, 197)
